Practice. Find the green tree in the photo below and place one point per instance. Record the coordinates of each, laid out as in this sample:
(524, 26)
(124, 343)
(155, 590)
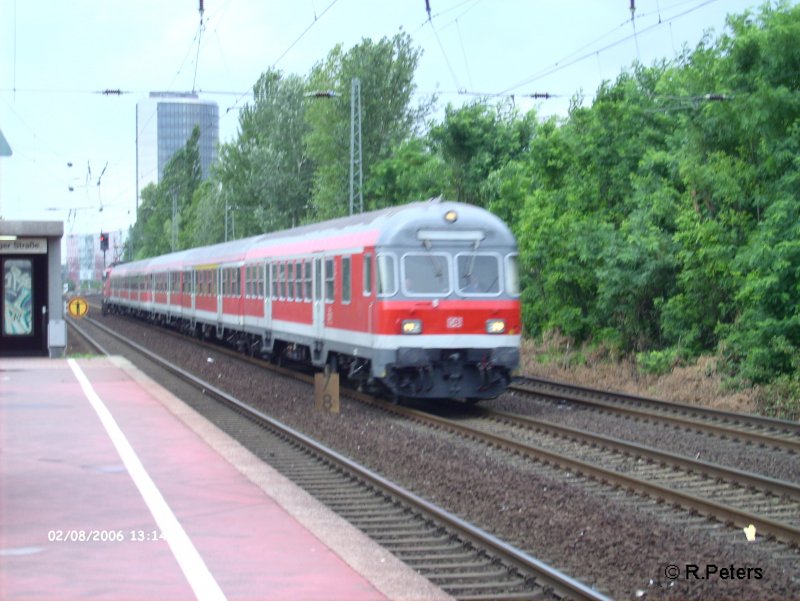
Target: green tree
(152, 233)
(476, 140)
(265, 175)
(386, 71)
(412, 172)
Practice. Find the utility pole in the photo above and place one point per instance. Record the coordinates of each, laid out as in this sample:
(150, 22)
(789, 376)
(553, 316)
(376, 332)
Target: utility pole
(356, 167)
(356, 163)
(174, 219)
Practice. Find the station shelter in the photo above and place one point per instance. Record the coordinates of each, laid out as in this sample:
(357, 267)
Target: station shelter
(31, 304)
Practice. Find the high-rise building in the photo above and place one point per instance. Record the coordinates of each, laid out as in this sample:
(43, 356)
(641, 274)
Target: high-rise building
(164, 122)
(85, 260)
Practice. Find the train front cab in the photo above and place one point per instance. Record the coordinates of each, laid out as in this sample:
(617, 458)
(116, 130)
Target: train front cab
(449, 311)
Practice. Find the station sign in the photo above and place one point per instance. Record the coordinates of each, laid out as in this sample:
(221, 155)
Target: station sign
(24, 246)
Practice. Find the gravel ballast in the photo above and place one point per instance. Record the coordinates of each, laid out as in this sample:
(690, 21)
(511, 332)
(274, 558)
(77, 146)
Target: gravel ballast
(607, 539)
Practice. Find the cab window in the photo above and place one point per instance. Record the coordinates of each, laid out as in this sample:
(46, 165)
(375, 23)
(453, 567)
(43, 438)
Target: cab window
(426, 273)
(478, 274)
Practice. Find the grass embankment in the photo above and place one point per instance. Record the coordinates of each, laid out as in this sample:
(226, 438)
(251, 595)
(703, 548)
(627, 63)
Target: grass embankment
(700, 383)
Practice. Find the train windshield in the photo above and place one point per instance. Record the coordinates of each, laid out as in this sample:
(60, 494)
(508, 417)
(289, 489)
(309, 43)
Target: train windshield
(478, 274)
(426, 273)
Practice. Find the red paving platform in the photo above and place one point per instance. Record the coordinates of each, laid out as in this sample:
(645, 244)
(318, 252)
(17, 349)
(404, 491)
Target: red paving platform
(111, 488)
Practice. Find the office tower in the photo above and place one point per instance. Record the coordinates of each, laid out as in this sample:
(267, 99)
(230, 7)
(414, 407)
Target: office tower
(164, 122)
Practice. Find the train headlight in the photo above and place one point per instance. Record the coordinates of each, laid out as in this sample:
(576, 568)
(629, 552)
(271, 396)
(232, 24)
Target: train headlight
(412, 326)
(495, 326)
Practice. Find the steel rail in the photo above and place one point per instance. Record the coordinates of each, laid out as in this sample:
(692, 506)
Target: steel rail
(724, 513)
(547, 576)
(712, 509)
(666, 411)
(715, 470)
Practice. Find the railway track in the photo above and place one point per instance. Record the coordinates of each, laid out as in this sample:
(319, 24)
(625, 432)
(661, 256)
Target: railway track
(711, 498)
(752, 429)
(731, 497)
(462, 559)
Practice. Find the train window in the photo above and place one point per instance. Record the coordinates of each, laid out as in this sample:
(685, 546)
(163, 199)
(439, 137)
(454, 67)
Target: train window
(317, 279)
(236, 284)
(282, 280)
(478, 274)
(298, 281)
(426, 273)
(329, 274)
(387, 281)
(273, 272)
(259, 279)
(512, 274)
(290, 281)
(346, 283)
(367, 274)
(307, 280)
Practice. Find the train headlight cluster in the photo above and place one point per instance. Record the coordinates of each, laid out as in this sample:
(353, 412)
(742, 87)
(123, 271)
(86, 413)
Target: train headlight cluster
(495, 326)
(412, 326)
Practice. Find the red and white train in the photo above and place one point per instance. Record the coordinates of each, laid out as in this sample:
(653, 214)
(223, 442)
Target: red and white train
(422, 299)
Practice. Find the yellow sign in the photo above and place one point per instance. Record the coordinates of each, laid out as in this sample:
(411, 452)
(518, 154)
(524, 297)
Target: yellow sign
(78, 307)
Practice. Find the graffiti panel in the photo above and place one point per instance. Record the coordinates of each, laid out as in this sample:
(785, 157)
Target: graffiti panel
(18, 297)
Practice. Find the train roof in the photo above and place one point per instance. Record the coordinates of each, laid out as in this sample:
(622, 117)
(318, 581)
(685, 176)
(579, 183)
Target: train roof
(428, 223)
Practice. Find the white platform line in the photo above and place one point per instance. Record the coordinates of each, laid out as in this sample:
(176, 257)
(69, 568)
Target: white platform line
(201, 580)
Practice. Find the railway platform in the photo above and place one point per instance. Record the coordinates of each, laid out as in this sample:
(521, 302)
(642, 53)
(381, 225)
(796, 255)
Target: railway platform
(111, 488)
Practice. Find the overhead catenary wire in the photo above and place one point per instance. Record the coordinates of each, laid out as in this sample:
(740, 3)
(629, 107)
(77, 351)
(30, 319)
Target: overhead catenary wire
(464, 55)
(285, 52)
(199, 42)
(559, 65)
(444, 54)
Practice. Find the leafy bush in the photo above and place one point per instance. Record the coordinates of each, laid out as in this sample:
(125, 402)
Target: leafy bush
(657, 362)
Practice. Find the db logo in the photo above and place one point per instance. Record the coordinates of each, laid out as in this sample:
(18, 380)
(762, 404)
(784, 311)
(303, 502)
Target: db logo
(455, 322)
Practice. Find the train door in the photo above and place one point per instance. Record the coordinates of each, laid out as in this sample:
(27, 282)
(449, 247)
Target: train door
(266, 277)
(23, 296)
(193, 304)
(319, 297)
(219, 292)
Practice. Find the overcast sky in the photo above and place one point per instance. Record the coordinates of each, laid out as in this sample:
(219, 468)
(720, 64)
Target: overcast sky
(57, 57)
